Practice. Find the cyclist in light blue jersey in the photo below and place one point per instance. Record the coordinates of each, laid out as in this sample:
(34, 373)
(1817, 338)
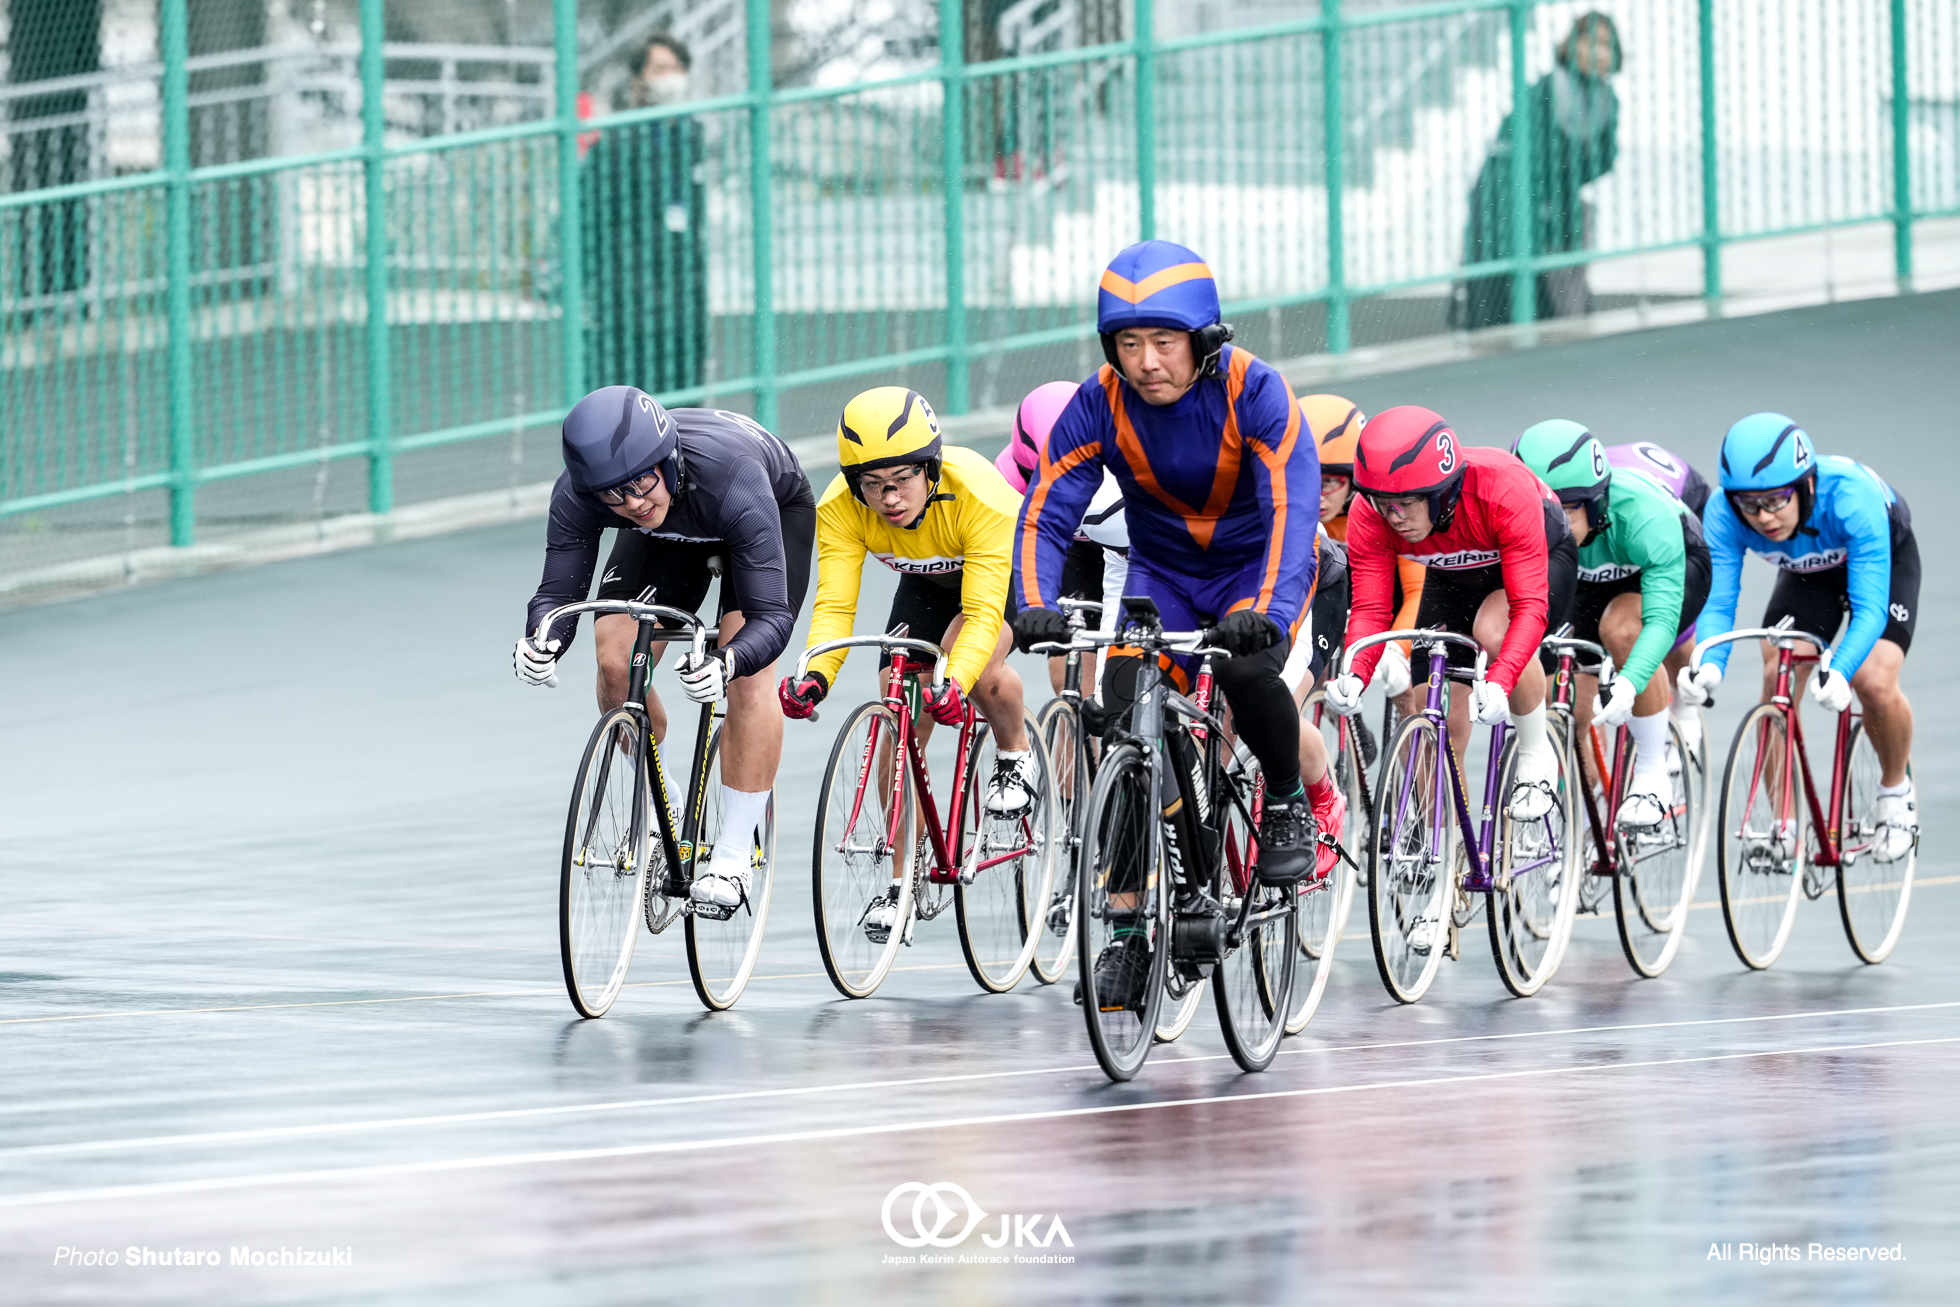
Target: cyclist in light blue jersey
(1844, 540)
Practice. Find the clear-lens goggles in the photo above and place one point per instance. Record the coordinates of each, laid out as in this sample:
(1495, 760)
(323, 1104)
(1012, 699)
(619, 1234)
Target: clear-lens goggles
(1768, 501)
(638, 488)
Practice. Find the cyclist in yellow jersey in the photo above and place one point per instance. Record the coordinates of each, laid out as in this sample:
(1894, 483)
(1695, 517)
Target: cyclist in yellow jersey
(943, 519)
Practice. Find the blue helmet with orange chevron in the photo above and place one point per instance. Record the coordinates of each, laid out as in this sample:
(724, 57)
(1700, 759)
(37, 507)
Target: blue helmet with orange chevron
(1161, 284)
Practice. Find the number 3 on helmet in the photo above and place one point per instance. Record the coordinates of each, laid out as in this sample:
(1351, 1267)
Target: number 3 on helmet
(1408, 450)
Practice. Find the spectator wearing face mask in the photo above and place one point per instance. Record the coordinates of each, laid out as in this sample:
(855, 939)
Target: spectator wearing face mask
(645, 210)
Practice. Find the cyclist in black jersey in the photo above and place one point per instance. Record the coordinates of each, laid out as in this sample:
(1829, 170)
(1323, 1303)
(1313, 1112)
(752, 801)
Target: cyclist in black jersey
(681, 486)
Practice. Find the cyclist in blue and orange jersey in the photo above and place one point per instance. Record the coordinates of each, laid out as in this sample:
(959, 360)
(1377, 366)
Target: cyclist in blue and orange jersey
(1843, 539)
(683, 485)
(1666, 467)
(1099, 557)
(1219, 484)
(1502, 568)
(1336, 426)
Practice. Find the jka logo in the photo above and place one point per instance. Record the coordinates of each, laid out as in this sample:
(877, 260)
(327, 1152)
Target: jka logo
(943, 1215)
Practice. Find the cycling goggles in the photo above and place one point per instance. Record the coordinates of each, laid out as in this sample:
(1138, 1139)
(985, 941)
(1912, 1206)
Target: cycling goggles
(639, 488)
(1768, 501)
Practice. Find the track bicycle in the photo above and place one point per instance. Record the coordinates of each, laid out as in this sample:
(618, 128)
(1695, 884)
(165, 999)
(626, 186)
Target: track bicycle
(1168, 867)
(1071, 757)
(1431, 868)
(1776, 843)
(620, 867)
(879, 829)
(1649, 872)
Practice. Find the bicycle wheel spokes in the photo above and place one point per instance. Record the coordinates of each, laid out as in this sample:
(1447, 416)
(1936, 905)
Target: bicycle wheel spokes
(1007, 869)
(1761, 850)
(722, 944)
(1120, 910)
(855, 859)
(1872, 896)
(1068, 763)
(603, 869)
(1254, 982)
(1658, 866)
(1536, 895)
(1408, 884)
(1317, 909)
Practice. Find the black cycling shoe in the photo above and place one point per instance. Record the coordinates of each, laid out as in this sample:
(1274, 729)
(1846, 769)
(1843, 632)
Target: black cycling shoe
(1121, 971)
(1286, 841)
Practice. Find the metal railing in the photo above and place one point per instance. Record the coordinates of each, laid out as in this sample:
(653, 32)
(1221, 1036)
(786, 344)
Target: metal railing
(169, 330)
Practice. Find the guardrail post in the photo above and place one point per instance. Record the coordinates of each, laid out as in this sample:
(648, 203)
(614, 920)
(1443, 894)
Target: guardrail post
(1524, 280)
(1146, 39)
(571, 221)
(1901, 146)
(761, 219)
(1711, 171)
(952, 60)
(174, 40)
(1336, 138)
(381, 455)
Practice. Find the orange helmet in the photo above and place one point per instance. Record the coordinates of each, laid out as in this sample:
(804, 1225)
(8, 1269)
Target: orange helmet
(1336, 426)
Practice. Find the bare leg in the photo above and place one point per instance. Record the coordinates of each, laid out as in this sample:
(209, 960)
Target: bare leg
(752, 735)
(1888, 717)
(613, 634)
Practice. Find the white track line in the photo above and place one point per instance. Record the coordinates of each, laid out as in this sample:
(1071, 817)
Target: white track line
(57, 1196)
(799, 1091)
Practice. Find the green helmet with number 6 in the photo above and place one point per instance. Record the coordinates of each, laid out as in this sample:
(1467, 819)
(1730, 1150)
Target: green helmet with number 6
(1572, 461)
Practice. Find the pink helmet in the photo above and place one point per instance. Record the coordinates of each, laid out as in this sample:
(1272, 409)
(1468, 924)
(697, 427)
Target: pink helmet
(1032, 423)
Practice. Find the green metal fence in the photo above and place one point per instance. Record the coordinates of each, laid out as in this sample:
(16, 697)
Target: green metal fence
(187, 334)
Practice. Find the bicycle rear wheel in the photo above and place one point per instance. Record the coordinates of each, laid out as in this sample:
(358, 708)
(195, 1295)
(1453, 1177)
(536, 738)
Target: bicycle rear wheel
(1872, 896)
(1764, 843)
(1068, 762)
(1007, 868)
(721, 950)
(603, 870)
(1408, 851)
(1319, 909)
(855, 858)
(1658, 869)
(1254, 981)
(1536, 891)
(1121, 860)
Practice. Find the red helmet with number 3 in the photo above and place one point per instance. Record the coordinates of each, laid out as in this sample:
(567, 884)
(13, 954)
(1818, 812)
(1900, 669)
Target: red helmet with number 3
(1408, 450)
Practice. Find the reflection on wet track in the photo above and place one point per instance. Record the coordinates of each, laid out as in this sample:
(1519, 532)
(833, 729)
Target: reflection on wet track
(278, 970)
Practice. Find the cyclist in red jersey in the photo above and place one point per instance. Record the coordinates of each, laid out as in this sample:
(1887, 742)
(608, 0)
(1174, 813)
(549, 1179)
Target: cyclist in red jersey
(1503, 568)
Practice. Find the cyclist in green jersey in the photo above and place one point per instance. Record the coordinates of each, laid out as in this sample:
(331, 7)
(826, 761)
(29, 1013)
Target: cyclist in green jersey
(1643, 576)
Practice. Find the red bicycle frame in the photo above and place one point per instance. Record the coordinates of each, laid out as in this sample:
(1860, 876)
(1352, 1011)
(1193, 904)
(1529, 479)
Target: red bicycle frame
(1797, 762)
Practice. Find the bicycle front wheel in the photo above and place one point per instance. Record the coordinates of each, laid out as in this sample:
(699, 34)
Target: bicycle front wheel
(603, 872)
(1007, 868)
(1872, 896)
(1253, 983)
(1763, 845)
(1060, 725)
(1408, 851)
(722, 944)
(1658, 868)
(1536, 892)
(864, 844)
(1121, 904)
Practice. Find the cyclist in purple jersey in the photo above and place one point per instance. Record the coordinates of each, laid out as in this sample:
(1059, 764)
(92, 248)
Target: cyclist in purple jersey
(1670, 469)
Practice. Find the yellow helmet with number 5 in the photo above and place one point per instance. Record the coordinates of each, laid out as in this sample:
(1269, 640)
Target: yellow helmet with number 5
(887, 426)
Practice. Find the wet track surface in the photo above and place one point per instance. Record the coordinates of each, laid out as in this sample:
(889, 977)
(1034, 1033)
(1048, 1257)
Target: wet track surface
(278, 967)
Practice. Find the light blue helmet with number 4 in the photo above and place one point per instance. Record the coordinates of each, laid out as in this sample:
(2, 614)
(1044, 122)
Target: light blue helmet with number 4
(1766, 451)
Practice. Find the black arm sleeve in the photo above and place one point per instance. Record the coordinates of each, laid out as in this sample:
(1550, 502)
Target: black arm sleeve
(752, 527)
(571, 551)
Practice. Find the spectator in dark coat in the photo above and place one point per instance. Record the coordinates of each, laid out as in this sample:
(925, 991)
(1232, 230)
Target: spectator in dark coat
(645, 238)
(1574, 140)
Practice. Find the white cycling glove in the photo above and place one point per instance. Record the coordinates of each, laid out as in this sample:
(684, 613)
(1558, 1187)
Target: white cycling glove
(707, 680)
(1344, 694)
(1698, 683)
(1490, 703)
(1831, 689)
(535, 666)
(1392, 673)
(1616, 708)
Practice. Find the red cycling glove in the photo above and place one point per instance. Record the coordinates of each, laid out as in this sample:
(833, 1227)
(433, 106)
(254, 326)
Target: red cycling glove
(946, 705)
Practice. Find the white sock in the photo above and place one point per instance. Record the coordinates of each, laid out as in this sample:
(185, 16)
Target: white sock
(1649, 753)
(1531, 731)
(1893, 791)
(741, 813)
(1010, 755)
